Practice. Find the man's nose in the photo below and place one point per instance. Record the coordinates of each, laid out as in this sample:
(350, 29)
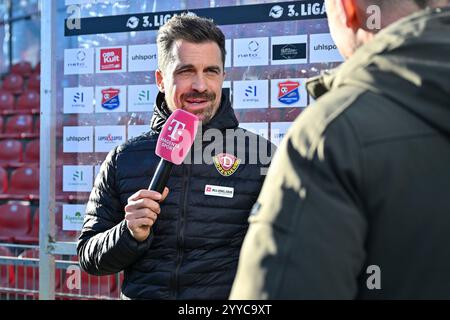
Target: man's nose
(199, 83)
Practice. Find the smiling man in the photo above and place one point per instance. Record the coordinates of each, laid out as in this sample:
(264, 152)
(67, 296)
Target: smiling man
(183, 244)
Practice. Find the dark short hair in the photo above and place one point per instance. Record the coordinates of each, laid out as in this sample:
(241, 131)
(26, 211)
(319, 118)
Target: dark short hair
(190, 28)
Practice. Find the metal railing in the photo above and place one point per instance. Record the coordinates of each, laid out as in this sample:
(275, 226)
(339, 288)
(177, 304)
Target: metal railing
(19, 277)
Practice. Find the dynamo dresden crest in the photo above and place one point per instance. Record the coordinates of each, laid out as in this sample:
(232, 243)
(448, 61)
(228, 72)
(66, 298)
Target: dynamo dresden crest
(226, 164)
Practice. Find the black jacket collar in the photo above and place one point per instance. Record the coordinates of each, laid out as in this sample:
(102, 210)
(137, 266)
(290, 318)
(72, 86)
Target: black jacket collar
(223, 119)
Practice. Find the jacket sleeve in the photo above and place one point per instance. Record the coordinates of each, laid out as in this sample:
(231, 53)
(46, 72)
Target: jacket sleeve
(105, 245)
(307, 231)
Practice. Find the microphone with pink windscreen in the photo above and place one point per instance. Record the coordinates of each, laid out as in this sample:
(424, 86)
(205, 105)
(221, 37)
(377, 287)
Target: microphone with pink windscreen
(174, 142)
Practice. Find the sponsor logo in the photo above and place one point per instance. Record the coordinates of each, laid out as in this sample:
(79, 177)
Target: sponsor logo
(226, 164)
(288, 92)
(73, 216)
(110, 98)
(81, 56)
(110, 59)
(133, 22)
(143, 57)
(141, 97)
(176, 127)
(276, 12)
(251, 52)
(325, 47)
(78, 98)
(253, 48)
(109, 138)
(78, 61)
(278, 131)
(77, 139)
(251, 93)
(219, 191)
(78, 176)
(289, 51)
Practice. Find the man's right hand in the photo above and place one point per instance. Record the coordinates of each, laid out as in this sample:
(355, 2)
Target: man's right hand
(142, 211)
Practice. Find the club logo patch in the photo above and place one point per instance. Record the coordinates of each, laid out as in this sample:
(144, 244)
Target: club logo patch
(288, 92)
(110, 98)
(226, 164)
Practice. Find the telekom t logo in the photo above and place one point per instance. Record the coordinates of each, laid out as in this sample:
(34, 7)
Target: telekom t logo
(177, 129)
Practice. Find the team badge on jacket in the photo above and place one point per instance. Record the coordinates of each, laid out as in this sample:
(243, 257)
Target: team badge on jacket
(226, 164)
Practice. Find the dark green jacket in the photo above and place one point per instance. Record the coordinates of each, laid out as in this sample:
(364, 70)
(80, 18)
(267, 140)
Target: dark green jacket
(356, 203)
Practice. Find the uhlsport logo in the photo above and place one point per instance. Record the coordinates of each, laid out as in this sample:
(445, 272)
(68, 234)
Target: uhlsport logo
(110, 98)
(226, 164)
(110, 59)
(288, 92)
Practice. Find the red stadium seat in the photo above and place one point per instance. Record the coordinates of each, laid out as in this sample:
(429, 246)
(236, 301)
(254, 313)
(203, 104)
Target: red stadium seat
(22, 68)
(29, 101)
(93, 286)
(19, 125)
(37, 68)
(10, 152)
(15, 221)
(6, 102)
(33, 236)
(13, 83)
(32, 151)
(3, 180)
(37, 126)
(34, 82)
(24, 183)
(6, 271)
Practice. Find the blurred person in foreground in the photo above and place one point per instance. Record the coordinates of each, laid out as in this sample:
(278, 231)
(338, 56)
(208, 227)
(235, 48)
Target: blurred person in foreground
(356, 204)
(184, 243)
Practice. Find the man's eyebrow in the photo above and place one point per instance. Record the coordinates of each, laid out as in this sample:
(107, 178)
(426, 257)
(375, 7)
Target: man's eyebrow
(213, 68)
(191, 67)
(184, 67)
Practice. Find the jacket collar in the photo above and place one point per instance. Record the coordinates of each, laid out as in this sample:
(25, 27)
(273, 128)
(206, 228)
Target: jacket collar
(223, 119)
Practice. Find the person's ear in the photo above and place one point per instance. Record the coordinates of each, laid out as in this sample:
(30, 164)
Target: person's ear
(350, 8)
(159, 80)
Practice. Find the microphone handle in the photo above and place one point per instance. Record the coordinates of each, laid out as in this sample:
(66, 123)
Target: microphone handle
(161, 176)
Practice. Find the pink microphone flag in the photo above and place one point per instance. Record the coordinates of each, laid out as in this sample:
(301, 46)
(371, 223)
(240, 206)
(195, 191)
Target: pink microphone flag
(177, 136)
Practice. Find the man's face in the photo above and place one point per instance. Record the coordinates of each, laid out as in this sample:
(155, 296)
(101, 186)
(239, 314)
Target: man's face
(193, 80)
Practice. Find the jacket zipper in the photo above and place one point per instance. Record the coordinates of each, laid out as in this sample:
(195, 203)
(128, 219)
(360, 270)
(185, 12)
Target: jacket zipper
(180, 236)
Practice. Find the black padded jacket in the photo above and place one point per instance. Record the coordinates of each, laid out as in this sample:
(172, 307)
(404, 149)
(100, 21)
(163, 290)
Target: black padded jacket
(193, 249)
